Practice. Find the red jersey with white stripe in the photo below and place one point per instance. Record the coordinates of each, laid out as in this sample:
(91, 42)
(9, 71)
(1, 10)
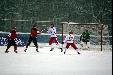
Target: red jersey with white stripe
(34, 32)
(12, 34)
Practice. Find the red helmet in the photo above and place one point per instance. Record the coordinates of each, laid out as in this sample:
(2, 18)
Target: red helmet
(71, 32)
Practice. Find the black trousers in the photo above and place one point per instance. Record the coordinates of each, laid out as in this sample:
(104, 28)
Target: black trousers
(85, 41)
(11, 42)
(34, 41)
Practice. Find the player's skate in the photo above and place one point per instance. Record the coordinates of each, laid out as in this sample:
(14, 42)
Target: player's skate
(6, 51)
(64, 52)
(52, 49)
(37, 50)
(61, 49)
(15, 51)
(78, 52)
(25, 50)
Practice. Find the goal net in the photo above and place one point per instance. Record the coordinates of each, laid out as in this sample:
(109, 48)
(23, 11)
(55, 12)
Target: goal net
(99, 37)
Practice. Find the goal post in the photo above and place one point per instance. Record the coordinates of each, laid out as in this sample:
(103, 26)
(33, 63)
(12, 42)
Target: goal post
(99, 34)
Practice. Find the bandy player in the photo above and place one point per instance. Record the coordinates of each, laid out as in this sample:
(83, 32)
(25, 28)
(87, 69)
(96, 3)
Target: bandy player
(33, 35)
(11, 40)
(69, 40)
(53, 37)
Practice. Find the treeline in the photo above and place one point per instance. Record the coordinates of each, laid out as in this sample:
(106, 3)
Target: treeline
(82, 11)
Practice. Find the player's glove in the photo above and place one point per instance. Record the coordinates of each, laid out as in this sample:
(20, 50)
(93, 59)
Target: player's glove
(15, 39)
(62, 42)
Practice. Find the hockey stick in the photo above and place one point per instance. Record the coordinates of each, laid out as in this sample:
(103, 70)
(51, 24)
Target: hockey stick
(62, 35)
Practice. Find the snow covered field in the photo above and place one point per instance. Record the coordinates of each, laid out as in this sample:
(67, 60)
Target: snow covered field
(55, 62)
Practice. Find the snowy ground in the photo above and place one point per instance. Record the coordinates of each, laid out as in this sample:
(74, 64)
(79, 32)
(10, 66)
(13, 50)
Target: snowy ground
(55, 62)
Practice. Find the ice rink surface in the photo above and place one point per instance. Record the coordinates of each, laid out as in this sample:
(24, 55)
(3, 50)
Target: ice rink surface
(46, 62)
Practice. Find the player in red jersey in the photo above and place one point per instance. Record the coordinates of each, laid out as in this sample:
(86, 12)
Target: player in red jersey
(11, 40)
(69, 40)
(33, 35)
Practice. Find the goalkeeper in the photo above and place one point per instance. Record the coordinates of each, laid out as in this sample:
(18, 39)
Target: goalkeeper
(85, 39)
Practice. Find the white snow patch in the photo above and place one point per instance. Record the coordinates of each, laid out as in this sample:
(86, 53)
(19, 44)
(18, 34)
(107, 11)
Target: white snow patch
(54, 63)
